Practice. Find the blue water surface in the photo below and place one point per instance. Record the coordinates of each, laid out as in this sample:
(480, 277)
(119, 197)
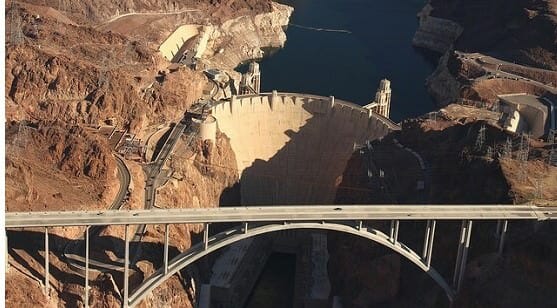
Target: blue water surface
(350, 65)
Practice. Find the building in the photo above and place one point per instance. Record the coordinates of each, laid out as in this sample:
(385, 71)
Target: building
(251, 80)
(524, 113)
(382, 103)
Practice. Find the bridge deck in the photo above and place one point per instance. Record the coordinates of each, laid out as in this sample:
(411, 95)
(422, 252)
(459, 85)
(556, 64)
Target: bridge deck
(281, 214)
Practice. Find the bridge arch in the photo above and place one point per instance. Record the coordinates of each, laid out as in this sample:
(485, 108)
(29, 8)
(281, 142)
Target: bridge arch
(234, 235)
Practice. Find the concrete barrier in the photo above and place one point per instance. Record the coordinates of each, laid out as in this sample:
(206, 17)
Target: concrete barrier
(293, 148)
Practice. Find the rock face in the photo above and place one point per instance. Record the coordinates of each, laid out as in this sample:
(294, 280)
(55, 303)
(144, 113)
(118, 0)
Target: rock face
(95, 11)
(523, 32)
(47, 153)
(105, 75)
(434, 33)
(243, 38)
(68, 65)
(442, 84)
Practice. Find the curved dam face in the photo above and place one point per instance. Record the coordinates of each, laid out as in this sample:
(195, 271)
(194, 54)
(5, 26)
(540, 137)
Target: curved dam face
(293, 148)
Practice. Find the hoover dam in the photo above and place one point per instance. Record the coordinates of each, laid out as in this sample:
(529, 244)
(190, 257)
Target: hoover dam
(293, 148)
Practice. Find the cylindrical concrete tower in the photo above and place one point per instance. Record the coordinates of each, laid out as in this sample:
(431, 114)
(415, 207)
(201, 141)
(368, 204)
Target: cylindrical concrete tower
(207, 128)
(383, 98)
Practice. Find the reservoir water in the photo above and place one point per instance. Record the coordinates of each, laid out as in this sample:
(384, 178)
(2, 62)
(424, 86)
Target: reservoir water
(350, 65)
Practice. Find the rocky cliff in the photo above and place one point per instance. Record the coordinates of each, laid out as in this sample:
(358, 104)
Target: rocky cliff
(62, 63)
(245, 37)
(434, 33)
(522, 32)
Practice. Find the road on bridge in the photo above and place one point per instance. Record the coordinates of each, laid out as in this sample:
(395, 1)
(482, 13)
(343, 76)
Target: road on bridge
(282, 214)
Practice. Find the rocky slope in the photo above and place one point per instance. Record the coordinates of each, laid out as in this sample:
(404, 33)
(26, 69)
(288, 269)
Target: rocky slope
(77, 74)
(523, 32)
(63, 62)
(243, 38)
(457, 171)
(94, 12)
(55, 166)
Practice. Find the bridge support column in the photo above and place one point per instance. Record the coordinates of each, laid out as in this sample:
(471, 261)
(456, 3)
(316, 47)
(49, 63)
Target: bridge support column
(245, 228)
(206, 236)
(166, 229)
(46, 264)
(7, 250)
(428, 242)
(501, 232)
(86, 300)
(462, 255)
(394, 231)
(126, 265)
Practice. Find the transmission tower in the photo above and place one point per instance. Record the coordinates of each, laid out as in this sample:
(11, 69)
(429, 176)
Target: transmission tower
(553, 156)
(15, 24)
(551, 136)
(524, 148)
(103, 77)
(130, 52)
(489, 152)
(508, 148)
(20, 141)
(495, 107)
(480, 140)
(523, 152)
(539, 188)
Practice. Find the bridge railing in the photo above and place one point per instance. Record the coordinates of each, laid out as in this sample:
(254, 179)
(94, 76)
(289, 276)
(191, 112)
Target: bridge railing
(260, 220)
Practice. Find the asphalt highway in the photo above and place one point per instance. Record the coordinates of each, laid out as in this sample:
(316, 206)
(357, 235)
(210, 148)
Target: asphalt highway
(280, 213)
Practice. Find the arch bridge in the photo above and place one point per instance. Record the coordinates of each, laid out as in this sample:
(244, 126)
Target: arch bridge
(253, 221)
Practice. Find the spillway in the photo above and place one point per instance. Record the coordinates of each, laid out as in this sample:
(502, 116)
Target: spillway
(293, 148)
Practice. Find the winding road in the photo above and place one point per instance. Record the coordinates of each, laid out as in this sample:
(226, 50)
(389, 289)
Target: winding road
(72, 250)
(115, 18)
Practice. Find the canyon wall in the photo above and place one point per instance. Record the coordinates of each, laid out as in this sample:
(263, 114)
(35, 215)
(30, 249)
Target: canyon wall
(241, 39)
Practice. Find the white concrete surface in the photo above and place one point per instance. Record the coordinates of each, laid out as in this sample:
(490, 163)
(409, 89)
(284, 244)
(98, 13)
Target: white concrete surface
(207, 128)
(293, 148)
(170, 47)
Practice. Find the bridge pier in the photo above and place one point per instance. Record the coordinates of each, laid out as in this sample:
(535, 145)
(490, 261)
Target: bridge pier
(428, 242)
(46, 263)
(462, 255)
(166, 229)
(206, 236)
(501, 232)
(126, 265)
(86, 300)
(394, 231)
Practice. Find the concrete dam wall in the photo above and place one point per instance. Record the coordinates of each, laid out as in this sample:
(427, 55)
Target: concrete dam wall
(170, 47)
(293, 148)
